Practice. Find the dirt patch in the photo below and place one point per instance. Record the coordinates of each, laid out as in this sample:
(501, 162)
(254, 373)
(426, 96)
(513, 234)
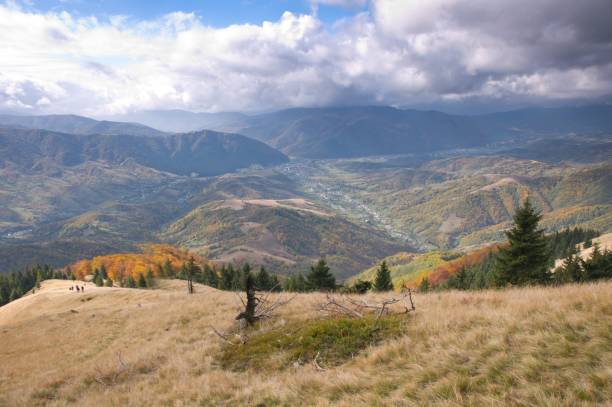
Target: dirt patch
(298, 204)
(452, 223)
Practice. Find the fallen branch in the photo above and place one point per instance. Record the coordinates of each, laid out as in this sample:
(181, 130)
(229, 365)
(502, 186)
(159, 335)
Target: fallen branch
(109, 380)
(242, 339)
(316, 364)
(353, 308)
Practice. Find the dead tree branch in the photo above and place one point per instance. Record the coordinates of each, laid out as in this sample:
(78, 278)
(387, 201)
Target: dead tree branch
(354, 308)
(111, 379)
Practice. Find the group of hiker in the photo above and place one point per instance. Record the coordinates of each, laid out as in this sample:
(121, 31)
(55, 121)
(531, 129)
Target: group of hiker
(78, 288)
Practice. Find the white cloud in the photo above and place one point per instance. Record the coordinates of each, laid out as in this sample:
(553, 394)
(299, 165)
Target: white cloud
(401, 52)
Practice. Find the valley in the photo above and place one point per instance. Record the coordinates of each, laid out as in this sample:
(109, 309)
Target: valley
(246, 202)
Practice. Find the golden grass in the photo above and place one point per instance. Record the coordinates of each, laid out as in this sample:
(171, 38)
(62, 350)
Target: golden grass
(519, 347)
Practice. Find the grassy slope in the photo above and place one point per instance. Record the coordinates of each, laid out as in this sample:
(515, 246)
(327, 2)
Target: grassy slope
(533, 346)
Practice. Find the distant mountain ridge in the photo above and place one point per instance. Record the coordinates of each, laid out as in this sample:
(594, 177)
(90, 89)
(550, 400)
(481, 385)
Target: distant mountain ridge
(73, 124)
(346, 132)
(204, 153)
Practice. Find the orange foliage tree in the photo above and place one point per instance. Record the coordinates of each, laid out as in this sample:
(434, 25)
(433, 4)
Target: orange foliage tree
(121, 265)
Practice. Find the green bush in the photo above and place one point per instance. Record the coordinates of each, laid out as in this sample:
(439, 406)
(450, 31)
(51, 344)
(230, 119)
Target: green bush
(333, 340)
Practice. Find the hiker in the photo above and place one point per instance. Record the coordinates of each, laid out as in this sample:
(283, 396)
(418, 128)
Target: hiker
(78, 288)
(83, 288)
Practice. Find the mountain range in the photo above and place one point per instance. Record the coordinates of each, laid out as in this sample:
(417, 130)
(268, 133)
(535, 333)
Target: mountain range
(204, 153)
(363, 183)
(373, 130)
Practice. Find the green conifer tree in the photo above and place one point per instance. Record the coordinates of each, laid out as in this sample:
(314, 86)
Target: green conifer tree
(150, 281)
(383, 282)
(525, 260)
(263, 281)
(424, 286)
(320, 277)
(98, 281)
(142, 281)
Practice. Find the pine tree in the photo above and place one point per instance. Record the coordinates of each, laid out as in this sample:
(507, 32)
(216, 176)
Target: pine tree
(168, 269)
(98, 281)
(150, 282)
(210, 276)
(39, 279)
(361, 286)
(262, 280)
(275, 284)
(160, 271)
(599, 265)
(424, 286)
(103, 272)
(190, 270)
(320, 277)
(570, 271)
(131, 283)
(525, 260)
(383, 282)
(225, 280)
(142, 281)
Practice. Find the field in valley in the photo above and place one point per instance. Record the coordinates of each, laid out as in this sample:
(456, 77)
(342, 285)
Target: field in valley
(118, 346)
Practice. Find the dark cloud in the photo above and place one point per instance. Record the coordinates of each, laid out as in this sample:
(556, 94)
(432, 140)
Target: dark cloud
(480, 53)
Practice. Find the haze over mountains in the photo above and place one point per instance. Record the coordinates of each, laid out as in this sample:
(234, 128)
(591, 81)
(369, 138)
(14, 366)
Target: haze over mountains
(363, 183)
(73, 124)
(365, 131)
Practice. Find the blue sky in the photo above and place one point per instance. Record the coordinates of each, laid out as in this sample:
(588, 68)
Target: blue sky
(213, 13)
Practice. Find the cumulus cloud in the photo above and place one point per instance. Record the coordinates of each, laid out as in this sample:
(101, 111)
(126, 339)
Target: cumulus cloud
(399, 52)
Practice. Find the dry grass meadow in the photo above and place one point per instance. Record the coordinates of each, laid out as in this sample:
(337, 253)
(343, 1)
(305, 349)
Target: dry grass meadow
(118, 347)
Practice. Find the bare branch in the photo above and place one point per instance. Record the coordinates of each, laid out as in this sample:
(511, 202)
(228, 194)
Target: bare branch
(316, 364)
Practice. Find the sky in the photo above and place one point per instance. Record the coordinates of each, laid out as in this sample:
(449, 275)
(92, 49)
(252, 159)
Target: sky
(112, 57)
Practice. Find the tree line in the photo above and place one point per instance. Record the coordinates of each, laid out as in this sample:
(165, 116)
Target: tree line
(16, 284)
(318, 278)
(529, 256)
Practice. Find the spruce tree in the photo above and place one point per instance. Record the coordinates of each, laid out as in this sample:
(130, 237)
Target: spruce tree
(160, 271)
(225, 280)
(424, 286)
(361, 286)
(383, 281)
(98, 281)
(150, 282)
(320, 277)
(39, 279)
(570, 270)
(168, 269)
(103, 272)
(275, 283)
(131, 283)
(142, 282)
(262, 280)
(525, 260)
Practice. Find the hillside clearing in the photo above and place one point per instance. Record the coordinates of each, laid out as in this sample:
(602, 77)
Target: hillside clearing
(115, 346)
